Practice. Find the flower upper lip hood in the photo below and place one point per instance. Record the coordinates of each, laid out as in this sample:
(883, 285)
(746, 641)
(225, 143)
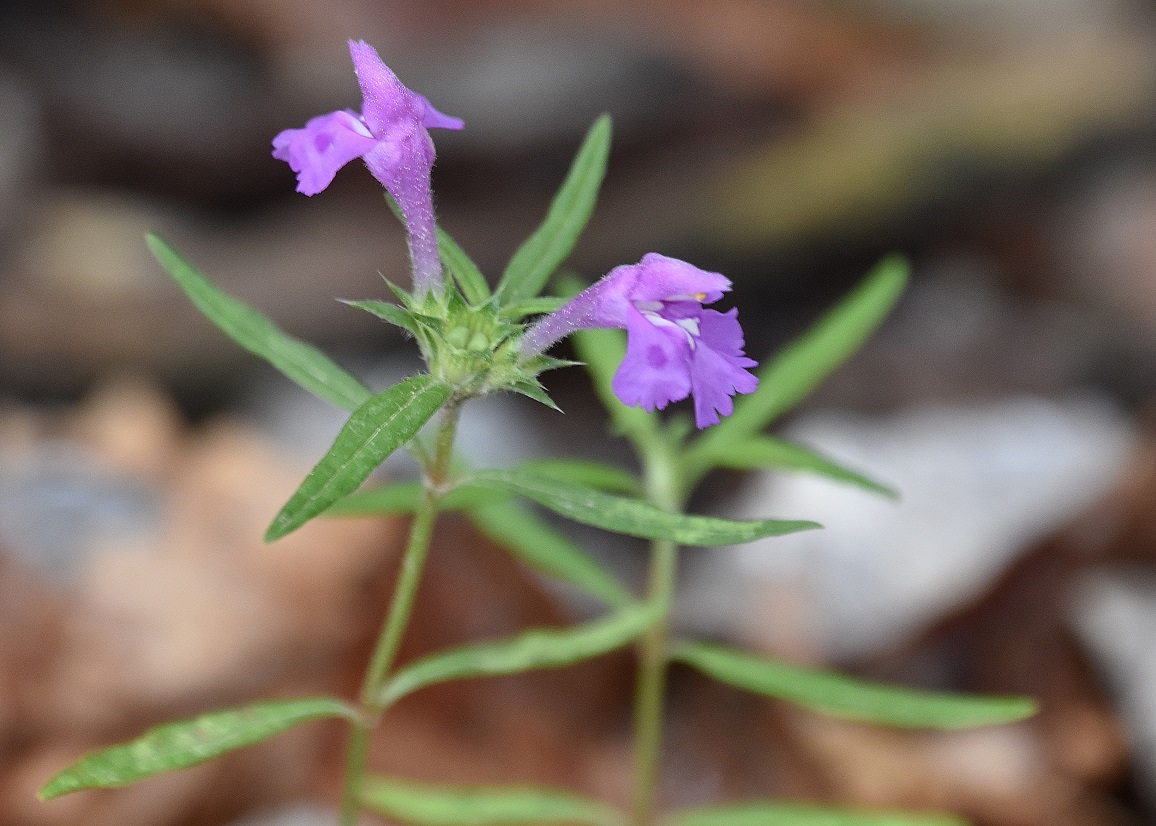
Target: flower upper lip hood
(391, 135)
(674, 348)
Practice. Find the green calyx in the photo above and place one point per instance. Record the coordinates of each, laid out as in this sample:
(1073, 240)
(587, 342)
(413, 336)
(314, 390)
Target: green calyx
(474, 349)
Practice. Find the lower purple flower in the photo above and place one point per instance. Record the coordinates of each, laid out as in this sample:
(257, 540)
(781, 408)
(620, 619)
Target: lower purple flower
(674, 346)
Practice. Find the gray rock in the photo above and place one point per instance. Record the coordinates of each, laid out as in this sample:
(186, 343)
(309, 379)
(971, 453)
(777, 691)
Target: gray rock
(300, 814)
(21, 153)
(977, 486)
(58, 507)
(1114, 612)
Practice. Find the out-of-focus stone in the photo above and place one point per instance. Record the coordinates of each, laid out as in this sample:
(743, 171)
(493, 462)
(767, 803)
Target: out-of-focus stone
(168, 108)
(21, 152)
(222, 611)
(128, 425)
(521, 85)
(992, 775)
(1114, 611)
(31, 614)
(89, 249)
(89, 298)
(962, 122)
(1107, 246)
(298, 815)
(58, 504)
(977, 486)
(961, 337)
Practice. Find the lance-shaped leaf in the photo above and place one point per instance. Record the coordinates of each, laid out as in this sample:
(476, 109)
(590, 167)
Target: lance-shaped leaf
(380, 426)
(769, 452)
(837, 695)
(186, 743)
(532, 306)
(544, 549)
(391, 313)
(301, 362)
(633, 517)
(549, 245)
(530, 650)
(403, 497)
(794, 373)
(429, 805)
(463, 269)
(803, 814)
(592, 474)
(512, 525)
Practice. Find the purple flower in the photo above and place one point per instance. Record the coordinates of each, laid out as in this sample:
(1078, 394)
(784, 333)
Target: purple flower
(674, 346)
(391, 136)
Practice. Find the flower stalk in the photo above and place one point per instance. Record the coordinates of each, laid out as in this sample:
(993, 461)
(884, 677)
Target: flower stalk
(663, 489)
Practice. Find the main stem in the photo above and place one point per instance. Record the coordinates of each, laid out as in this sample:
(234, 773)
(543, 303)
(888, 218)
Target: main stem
(400, 607)
(650, 690)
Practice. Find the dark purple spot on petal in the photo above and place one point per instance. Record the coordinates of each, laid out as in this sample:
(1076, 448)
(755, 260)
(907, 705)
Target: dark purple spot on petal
(655, 356)
(322, 141)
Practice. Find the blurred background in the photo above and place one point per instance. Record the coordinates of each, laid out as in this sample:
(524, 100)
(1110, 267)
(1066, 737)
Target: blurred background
(1006, 147)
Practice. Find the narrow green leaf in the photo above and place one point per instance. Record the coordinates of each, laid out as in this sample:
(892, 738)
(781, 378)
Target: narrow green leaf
(186, 743)
(403, 497)
(301, 362)
(794, 373)
(512, 525)
(533, 389)
(839, 696)
(464, 271)
(767, 451)
(803, 814)
(530, 650)
(604, 477)
(376, 429)
(550, 244)
(633, 517)
(398, 316)
(546, 550)
(532, 306)
(429, 805)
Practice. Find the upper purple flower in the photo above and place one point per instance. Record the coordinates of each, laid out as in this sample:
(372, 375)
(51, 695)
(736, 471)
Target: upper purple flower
(674, 346)
(391, 136)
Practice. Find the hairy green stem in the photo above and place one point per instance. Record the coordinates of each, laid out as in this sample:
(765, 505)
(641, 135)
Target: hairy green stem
(397, 619)
(663, 490)
(650, 690)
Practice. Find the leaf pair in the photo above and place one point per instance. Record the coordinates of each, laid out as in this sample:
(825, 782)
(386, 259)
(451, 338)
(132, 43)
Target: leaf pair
(632, 517)
(577, 490)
